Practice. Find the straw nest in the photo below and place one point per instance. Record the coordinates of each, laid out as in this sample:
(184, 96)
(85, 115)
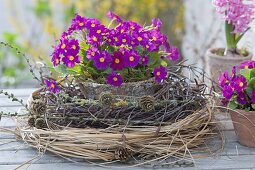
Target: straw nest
(172, 122)
(127, 143)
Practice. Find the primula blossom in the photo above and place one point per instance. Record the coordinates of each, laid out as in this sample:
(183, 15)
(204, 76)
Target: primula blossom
(52, 86)
(123, 48)
(238, 87)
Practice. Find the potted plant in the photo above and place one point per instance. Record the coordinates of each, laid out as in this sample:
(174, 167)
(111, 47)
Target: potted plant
(122, 57)
(238, 89)
(237, 15)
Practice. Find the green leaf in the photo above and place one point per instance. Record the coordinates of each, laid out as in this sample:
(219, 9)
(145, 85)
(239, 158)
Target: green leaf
(164, 63)
(246, 73)
(9, 37)
(251, 83)
(154, 60)
(232, 105)
(253, 106)
(42, 8)
(230, 37)
(252, 73)
(249, 91)
(61, 69)
(84, 46)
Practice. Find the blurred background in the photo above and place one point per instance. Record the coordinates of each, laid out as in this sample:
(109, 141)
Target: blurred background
(34, 26)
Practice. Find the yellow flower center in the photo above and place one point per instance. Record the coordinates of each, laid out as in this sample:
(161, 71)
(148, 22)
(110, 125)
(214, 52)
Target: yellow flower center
(132, 42)
(158, 73)
(74, 47)
(93, 53)
(101, 59)
(154, 38)
(94, 38)
(63, 46)
(131, 58)
(140, 38)
(93, 25)
(52, 85)
(147, 46)
(117, 61)
(143, 59)
(124, 40)
(71, 58)
(99, 31)
(81, 24)
(246, 67)
(57, 61)
(115, 78)
(241, 84)
(132, 27)
(115, 38)
(109, 40)
(122, 30)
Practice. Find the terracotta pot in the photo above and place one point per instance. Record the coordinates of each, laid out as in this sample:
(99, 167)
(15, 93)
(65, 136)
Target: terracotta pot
(92, 90)
(218, 64)
(244, 125)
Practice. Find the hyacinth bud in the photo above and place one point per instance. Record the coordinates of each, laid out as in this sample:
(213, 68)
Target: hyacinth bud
(147, 103)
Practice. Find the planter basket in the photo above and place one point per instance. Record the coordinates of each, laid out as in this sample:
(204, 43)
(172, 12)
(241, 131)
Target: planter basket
(139, 122)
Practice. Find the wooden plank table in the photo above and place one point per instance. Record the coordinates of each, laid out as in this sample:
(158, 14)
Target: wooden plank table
(14, 153)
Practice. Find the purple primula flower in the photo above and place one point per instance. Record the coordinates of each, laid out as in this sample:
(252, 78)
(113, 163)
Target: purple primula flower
(160, 74)
(253, 96)
(94, 40)
(92, 52)
(156, 37)
(118, 61)
(140, 38)
(78, 22)
(131, 58)
(156, 22)
(70, 60)
(92, 23)
(123, 27)
(239, 13)
(111, 37)
(241, 98)
(73, 46)
(133, 26)
(99, 31)
(63, 45)
(55, 59)
(102, 60)
(247, 65)
(114, 79)
(224, 79)
(52, 86)
(124, 39)
(174, 53)
(239, 83)
(145, 60)
(112, 15)
(228, 92)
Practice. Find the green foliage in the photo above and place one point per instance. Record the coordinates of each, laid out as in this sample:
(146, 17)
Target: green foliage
(14, 69)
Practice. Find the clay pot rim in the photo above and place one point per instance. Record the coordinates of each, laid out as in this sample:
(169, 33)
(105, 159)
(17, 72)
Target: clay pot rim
(240, 113)
(213, 55)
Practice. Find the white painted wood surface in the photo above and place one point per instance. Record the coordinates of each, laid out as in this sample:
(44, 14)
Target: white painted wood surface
(15, 153)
